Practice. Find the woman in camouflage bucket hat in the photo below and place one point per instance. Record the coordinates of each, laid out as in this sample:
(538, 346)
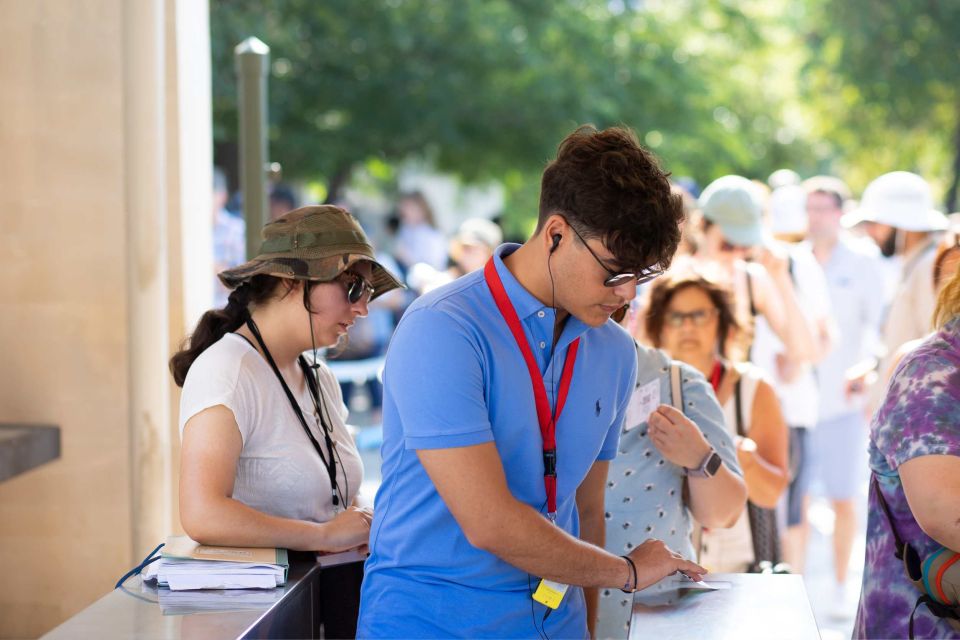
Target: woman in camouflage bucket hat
(266, 458)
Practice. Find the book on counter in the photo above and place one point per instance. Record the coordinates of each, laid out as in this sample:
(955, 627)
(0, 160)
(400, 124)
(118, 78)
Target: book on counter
(325, 559)
(186, 564)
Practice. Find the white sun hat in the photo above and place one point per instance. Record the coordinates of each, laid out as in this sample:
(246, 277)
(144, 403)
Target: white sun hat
(899, 199)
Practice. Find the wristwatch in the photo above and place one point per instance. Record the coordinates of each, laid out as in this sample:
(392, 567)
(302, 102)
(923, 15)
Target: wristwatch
(708, 468)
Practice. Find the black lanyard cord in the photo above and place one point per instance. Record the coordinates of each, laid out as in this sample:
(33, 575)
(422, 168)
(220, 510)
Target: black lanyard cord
(326, 423)
(330, 465)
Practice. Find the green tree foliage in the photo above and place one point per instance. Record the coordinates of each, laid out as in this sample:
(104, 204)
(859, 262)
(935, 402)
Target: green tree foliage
(884, 78)
(487, 88)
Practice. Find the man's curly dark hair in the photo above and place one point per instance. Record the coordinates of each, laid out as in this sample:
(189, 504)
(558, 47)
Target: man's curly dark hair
(609, 187)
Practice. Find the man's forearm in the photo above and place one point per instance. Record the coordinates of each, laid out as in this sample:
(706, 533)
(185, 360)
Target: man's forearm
(528, 541)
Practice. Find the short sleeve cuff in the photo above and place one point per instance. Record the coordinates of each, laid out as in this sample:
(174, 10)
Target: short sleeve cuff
(608, 453)
(449, 441)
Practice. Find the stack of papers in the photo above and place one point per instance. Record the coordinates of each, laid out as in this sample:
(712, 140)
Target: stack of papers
(188, 565)
(186, 602)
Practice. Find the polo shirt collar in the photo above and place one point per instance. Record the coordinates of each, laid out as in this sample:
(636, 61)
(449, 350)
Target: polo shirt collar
(525, 303)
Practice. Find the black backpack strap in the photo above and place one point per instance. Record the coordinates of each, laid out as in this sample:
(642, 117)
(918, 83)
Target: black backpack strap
(875, 484)
(753, 306)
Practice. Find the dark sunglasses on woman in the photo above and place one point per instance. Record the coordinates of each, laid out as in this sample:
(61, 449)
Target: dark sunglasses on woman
(357, 287)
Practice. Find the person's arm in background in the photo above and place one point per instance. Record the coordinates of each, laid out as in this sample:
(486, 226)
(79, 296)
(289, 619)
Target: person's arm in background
(920, 418)
(763, 453)
(776, 299)
(208, 461)
(593, 528)
(714, 502)
(932, 486)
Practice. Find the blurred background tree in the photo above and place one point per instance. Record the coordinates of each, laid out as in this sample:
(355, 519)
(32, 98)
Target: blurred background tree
(485, 89)
(884, 81)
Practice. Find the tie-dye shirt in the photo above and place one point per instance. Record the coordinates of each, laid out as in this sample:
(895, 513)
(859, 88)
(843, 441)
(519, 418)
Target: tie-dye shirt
(920, 416)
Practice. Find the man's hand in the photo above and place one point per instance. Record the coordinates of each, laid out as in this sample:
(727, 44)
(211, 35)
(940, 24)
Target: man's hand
(677, 437)
(655, 560)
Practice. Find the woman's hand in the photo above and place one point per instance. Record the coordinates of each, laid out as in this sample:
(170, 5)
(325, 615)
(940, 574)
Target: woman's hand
(677, 437)
(348, 530)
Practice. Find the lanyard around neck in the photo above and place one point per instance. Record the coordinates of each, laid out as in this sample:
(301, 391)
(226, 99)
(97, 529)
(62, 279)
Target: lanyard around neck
(331, 464)
(546, 418)
(716, 376)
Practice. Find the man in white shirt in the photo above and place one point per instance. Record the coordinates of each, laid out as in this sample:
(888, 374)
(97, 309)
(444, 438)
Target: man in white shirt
(794, 379)
(839, 444)
(903, 201)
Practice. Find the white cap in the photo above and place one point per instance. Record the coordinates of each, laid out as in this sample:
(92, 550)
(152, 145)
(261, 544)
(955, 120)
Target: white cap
(788, 210)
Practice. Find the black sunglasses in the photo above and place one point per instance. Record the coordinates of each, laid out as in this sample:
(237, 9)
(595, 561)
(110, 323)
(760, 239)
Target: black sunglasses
(357, 287)
(617, 279)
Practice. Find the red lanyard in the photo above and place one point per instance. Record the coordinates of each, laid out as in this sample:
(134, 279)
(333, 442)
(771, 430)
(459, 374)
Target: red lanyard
(548, 421)
(716, 375)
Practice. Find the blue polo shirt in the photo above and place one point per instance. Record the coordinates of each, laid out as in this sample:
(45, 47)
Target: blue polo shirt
(455, 377)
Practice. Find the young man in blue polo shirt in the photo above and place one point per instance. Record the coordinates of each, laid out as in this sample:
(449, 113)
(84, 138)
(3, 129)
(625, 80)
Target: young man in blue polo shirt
(504, 394)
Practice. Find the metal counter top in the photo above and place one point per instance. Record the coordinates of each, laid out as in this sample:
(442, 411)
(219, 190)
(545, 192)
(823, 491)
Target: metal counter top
(754, 606)
(145, 612)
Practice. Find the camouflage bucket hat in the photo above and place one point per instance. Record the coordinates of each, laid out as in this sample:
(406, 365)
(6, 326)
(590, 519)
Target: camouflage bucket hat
(312, 243)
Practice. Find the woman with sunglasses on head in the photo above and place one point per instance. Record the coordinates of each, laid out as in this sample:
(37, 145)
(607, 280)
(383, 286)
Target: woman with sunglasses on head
(266, 458)
(692, 318)
(912, 525)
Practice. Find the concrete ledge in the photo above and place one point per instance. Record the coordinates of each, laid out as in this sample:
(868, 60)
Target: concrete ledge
(25, 446)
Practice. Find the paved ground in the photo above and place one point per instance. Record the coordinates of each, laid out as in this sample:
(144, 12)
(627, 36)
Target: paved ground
(835, 619)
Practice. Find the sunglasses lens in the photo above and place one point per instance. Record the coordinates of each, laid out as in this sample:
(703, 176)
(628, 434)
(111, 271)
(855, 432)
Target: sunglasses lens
(619, 279)
(354, 291)
(357, 288)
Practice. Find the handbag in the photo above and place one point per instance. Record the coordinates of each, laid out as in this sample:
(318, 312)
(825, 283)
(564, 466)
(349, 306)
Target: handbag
(767, 552)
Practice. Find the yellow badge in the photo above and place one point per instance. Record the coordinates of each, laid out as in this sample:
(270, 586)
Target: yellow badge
(550, 593)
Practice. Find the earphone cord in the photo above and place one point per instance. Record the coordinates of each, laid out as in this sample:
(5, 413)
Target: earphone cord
(533, 612)
(313, 340)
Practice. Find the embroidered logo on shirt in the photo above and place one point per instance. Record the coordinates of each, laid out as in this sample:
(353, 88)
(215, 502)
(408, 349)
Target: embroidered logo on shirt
(596, 409)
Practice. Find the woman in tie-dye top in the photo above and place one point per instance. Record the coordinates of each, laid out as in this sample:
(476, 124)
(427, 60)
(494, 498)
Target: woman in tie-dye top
(915, 452)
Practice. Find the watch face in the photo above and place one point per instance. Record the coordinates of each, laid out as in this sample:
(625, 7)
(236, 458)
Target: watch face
(713, 464)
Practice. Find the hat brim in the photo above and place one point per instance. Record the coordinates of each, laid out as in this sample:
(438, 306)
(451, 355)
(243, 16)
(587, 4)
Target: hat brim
(931, 220)
(317, 270)
(742, 235)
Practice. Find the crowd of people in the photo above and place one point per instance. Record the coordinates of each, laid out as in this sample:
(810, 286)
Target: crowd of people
(650, 384)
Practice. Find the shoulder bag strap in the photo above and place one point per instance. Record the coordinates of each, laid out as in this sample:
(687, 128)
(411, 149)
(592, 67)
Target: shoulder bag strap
(875, 485)
(676, 399)
(738, 402)
(676, 388)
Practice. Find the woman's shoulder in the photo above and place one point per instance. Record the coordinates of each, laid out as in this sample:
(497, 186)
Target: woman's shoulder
(751, 373)
(650, 358)
(230, 357)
